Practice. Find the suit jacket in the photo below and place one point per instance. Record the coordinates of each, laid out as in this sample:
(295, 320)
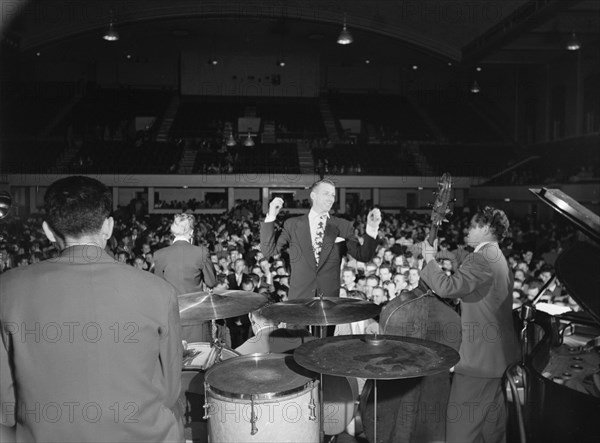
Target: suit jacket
(186, 266)
(307, 279)
(93, 351)
(484, 283)
(232, 282)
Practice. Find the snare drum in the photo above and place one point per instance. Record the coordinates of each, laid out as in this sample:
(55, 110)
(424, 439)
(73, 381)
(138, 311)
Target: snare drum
(262, 398)
(205, 355)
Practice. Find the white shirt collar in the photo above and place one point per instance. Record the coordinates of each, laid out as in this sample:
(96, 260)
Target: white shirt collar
(482, 244)
(313, 214)
(181, 238)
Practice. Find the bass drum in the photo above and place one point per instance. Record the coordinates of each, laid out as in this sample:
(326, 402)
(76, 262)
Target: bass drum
(339, 403)
(413, 410)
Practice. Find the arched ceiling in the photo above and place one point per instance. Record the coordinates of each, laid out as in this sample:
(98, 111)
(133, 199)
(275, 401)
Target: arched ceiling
(439, 27)
(471, 31)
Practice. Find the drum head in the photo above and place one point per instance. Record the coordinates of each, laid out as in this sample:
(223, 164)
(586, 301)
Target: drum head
(262, 376)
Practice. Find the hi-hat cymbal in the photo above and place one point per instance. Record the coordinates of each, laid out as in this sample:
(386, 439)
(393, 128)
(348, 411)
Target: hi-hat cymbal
(384, 357)
(203, 306)
(322, 312)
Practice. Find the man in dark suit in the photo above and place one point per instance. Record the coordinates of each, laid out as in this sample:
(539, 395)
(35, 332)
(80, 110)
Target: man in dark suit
(484, 283)
(236, 278)
(90, 348)
(317, 242)
(188, 268)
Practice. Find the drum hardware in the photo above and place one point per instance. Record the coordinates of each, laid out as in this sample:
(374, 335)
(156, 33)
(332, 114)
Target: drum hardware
(253, 420)
(320, 312)
(312, 406)
(516, 375)
(385, 357)
(203, 355)
(206, 405)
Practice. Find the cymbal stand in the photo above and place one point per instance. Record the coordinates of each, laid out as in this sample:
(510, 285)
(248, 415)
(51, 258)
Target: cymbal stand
(517, 374)
(216, 346)
(375, 410)
(322, 333)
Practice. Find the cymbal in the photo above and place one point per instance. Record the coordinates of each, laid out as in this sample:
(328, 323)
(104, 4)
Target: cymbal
(384, 357)
(322, 312)
(203, 306)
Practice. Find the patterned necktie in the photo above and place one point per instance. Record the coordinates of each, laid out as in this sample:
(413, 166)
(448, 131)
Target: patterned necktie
(319, 233)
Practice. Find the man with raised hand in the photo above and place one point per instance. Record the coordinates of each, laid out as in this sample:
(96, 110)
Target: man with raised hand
(317, 242)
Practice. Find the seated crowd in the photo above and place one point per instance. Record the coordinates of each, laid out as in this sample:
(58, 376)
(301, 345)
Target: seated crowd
(233, 241)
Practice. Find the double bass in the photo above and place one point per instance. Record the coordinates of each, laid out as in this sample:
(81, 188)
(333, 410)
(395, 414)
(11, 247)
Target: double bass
(414, 410)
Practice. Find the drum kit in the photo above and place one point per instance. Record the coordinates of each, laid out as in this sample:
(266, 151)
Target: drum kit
(280, 397)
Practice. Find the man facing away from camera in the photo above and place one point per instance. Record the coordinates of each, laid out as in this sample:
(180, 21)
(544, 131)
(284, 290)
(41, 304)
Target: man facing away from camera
(187, 267)
(91, 348)
(484, 283)
(317, 242)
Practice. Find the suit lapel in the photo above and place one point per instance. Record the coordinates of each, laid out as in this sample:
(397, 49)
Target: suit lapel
(305, 240)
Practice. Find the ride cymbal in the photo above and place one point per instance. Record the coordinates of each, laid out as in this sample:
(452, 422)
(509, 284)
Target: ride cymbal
(322, 311)
(385, 357)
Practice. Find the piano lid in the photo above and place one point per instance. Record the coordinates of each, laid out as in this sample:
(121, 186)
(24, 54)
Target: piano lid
(578, 268)
(582, 217)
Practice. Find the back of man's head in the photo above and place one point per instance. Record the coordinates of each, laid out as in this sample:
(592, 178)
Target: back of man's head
(77, 206)
(183, 225)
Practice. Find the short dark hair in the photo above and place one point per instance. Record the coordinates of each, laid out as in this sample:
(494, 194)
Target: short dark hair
(495, 218)
(317, 183)
(77, 206)
(349, 269)
(388, 267)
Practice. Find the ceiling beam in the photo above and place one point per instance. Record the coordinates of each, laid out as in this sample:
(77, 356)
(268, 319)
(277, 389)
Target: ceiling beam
(521, 20)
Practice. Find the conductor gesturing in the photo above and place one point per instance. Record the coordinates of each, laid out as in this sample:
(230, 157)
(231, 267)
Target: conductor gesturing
(317, 242)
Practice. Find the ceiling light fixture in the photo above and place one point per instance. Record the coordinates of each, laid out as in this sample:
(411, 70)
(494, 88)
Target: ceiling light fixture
(345, 38)
(248, 142)
(281, 63)
(213, 61)
(573, 44)
(230, 141)
(475, 88)
(111, 34)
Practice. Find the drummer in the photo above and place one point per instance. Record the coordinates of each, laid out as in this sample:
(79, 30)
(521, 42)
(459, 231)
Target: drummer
(269, 337)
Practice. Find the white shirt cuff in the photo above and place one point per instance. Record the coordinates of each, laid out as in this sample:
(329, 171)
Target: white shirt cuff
(269, 219)
(372, 232)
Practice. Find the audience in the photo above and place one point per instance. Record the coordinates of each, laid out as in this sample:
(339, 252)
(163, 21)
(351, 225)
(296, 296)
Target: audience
(230, 237)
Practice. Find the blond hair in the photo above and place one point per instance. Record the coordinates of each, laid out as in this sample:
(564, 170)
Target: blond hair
(183, 225)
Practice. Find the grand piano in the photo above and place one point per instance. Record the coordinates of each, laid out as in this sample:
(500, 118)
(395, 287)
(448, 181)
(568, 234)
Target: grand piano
(560, 375)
